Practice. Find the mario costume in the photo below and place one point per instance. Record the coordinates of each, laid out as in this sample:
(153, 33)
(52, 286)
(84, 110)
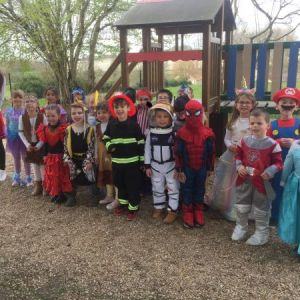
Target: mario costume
(195, 153)
(280, 129)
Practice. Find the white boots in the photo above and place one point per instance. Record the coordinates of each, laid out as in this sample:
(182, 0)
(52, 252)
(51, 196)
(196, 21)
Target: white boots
(240, 230)
(261, 234)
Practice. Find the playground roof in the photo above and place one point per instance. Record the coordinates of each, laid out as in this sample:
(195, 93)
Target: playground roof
(174, 12)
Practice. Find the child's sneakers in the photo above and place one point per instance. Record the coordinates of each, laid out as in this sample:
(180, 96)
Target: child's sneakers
(239, 233)
(106, 200)
(120, 210)
(29, 181)
(112, 205)
(131, 215)
(259, 238)
(2, 175)
(16, 180)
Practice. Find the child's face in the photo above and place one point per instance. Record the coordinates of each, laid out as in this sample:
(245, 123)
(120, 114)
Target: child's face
(52, 117)
(121, 111)
(17, 102)
(181, 115)
(287, 107)
(102, 116)
(162, 119)
(77, 115)
(244, 105)
(163, 98)
(51, 97)
(31, 104)
(143, 100)
(258, 126)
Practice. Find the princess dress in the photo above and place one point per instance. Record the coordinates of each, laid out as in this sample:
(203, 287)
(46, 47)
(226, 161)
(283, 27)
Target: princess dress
(223, 197)
(289, 213)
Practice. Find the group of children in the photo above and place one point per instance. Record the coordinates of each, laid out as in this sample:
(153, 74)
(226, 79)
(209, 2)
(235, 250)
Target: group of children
(117, 144)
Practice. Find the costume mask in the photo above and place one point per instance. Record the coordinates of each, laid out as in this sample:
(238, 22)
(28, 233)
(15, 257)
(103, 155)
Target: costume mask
(194, 115)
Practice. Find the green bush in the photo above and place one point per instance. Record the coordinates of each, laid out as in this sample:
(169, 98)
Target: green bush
(174, 82)
(31, 83)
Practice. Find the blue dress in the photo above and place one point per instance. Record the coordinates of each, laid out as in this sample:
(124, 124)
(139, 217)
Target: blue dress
(289, 214)
(279, 132)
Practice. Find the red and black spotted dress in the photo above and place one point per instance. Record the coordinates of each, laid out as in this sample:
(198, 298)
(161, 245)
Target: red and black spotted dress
(57, 174)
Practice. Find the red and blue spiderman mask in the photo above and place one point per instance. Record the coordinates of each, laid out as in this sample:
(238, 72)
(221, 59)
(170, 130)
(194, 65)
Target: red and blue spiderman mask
(193, 114)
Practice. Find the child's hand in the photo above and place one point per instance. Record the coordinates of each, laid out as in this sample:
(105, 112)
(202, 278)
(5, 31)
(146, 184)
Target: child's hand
(265, 175)
(286, 142)
(180, 176)
(88, 166)
(232, 148)
(30, 148)
(149, 172)
(242, 171)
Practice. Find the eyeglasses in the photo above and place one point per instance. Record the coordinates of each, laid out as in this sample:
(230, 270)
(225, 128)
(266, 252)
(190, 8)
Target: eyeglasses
(144, 99)
(163, 97)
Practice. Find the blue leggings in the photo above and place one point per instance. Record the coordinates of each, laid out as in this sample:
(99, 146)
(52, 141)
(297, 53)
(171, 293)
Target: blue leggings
(194, 187)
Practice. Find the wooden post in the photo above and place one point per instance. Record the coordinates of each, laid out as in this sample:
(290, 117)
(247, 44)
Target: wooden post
(124, 65)
(161, 64)
(206, 63)
(146, 48)
(228, 41)
(220, 54)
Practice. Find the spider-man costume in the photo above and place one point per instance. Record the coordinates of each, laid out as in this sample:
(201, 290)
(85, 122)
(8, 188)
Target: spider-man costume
(195, 153)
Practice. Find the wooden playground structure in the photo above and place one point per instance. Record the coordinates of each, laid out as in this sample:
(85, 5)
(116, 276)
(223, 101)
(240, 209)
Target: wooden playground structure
(267, 67)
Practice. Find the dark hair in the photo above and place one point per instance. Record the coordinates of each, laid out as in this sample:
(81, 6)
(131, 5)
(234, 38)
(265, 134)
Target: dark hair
(166, 91)
(55, 92)
(1, 80)
(131, 93)
(120, 101)
(258, 112)
(53, 107)
(102, 106)
(17, 93)
(180, 102)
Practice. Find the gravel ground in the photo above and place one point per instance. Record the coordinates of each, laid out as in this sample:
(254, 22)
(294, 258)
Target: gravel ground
(48, 251)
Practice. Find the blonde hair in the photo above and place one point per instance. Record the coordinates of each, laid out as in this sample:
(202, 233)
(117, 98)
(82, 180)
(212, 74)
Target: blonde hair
(235, 113)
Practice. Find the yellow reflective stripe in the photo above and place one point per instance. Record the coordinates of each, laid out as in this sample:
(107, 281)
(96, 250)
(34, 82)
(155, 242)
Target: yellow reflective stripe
(123, 201)
(141, 142)
(69, 142)
(123, 141)
(142, 158)
(107, 145)
(106, 137)
(125, 160)
(131, 207)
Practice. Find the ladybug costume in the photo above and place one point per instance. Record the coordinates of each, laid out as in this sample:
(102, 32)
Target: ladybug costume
(195, 153)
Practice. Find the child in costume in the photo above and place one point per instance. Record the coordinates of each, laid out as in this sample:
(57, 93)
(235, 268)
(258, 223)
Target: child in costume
(179, 108)
(223, 196)
(284, 130)
(52, 97)
(258, 158)
(289, 221)
(56, 179)
(144, 97)
(195, 152)
(103, 159)
(28, 124)
(124, 140)
(164, 96)
(14, 143)
(160, 162)
(79, 151)
(2, 150)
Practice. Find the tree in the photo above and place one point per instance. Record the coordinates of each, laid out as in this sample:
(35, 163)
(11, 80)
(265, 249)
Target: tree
(271, 18)
(60, 32)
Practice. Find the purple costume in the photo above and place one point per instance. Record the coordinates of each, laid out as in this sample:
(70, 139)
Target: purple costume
(14, 144)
